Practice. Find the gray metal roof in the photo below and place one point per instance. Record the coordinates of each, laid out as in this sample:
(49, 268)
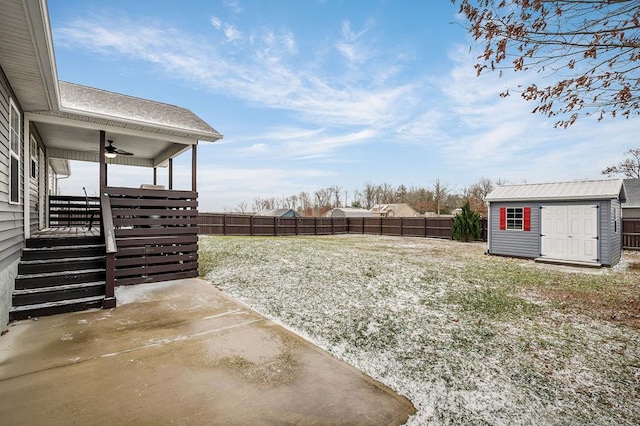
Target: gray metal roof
(101, 104)
(577, 190)
(350, 212)
(632, 188)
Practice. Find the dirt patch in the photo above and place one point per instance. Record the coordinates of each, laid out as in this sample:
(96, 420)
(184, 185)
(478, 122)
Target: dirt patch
(623, 311)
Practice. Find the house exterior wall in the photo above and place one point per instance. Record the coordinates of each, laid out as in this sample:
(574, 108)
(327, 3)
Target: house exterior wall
(11, 215)
(527, 243)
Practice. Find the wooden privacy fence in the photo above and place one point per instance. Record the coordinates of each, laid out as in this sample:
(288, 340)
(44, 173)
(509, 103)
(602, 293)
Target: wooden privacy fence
(229, 224)
(156, 234)
(631, 234)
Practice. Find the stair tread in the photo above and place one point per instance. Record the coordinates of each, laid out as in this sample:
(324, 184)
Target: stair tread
(58, 303)
(80, 246)
(60, 260)
(19, 292)
(59, 273)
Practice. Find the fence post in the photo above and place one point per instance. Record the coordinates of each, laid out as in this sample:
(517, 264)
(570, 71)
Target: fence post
(224, 224)
(425, 227)
(297, 219)
(401, 226)
(332, 226)
(315, 226)
(251, 225)
(275, 226)
(380, 225)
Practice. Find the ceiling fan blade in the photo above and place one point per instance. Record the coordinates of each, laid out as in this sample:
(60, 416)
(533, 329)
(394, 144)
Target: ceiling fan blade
(122, 152)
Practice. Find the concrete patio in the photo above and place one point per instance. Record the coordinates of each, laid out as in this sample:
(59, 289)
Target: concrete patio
(180, 352)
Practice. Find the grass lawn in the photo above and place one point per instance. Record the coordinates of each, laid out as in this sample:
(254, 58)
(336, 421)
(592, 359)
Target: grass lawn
(468, 338)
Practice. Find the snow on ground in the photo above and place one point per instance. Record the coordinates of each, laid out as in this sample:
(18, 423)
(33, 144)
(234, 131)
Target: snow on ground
(457, 332)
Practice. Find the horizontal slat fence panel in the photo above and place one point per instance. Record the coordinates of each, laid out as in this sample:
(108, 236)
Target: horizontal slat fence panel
(426, 227)
(156, 234)
(67, 211)
(230, 224)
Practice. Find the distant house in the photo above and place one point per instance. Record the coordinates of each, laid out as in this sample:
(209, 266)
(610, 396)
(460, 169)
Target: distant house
(278, 213)
(349, 212)
(570, 222)
(394, 210)
(631, 207)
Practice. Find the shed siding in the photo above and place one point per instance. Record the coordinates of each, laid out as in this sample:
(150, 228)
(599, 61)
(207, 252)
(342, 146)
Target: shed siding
(615, 247)
(11, 215)
(515, 243)
(527, 244)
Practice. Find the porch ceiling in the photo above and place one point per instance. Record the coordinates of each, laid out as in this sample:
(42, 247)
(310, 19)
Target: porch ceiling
(71, 142)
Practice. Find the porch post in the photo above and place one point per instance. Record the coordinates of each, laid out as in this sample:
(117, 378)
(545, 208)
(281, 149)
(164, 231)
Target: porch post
(103, 162)
(194, 166)
(26, 161)
(155, 175)
(170, 173)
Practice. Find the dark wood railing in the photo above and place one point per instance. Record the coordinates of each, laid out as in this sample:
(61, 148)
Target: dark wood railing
(107, 230)
(631, 234)
(70, 211)
(156, 234)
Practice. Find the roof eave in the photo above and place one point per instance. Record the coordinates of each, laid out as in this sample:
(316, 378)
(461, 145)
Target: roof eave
(40, 31)
(197, 135)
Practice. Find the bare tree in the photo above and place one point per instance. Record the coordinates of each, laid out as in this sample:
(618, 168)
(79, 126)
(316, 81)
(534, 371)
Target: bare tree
(440, 194)
(589, 49)
(242, 207)
(369, 195)
(335, 192)
(629, 167)
(386, 194)
(476, 193)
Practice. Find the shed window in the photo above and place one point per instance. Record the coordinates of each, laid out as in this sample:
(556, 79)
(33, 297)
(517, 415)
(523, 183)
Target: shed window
(515, 218)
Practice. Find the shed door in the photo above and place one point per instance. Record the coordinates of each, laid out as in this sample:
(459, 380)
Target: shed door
(569, 232)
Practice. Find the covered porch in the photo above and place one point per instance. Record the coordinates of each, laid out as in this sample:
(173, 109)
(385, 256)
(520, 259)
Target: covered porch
(147, 233)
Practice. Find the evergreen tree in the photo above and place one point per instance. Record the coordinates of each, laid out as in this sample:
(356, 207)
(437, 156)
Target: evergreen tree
(466, 225)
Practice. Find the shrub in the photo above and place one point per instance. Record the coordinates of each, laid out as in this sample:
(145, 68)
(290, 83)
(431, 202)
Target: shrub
(466, 225)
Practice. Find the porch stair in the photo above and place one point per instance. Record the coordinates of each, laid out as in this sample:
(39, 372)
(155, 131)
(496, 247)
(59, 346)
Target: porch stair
(57, 275)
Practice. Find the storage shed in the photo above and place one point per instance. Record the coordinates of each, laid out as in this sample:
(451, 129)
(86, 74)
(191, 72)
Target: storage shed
(570, 222)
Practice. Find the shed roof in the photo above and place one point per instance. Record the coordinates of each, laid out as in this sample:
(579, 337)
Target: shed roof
(350, 212)
(577, 190)
(632, 189)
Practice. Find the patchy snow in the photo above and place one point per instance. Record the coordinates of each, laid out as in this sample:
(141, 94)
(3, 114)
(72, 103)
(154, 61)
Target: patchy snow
(440, 323)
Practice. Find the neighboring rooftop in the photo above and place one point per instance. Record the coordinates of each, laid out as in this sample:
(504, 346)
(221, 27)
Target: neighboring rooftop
(577, 190)
(632, 189)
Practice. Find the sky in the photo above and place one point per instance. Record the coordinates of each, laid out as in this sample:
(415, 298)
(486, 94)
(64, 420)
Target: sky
(316, 93)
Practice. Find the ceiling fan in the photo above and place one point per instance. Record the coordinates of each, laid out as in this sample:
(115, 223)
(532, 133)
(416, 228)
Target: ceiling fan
(111, 151)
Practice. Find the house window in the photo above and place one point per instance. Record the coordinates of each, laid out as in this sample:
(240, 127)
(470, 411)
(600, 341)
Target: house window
(14, 163)
(34, 158)
(515, 216)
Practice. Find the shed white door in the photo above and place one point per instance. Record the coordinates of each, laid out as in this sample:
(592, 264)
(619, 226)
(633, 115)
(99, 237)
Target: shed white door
(570, 232)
